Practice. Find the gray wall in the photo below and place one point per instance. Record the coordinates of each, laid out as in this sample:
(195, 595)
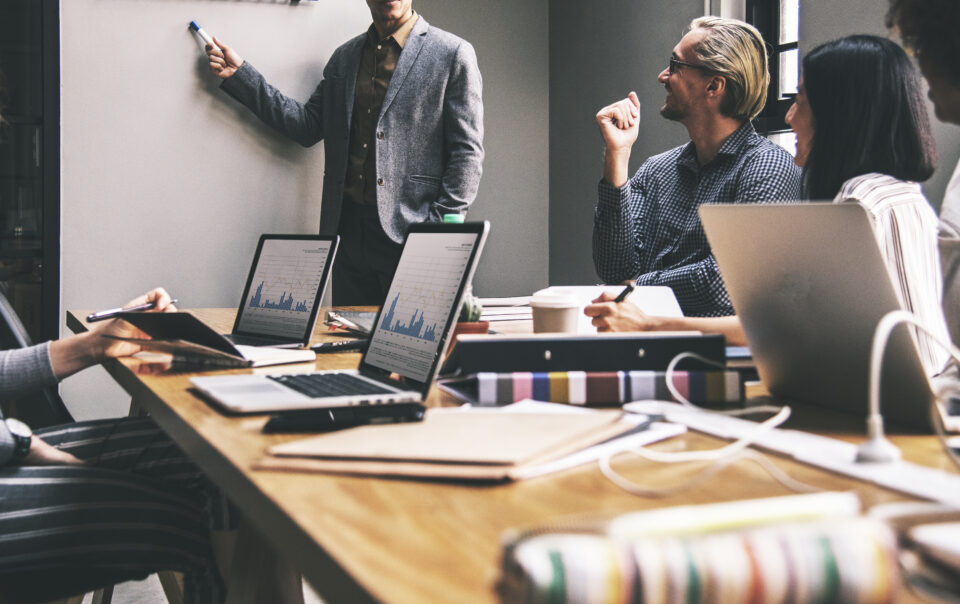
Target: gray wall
(629, 44)
(167, 181)
(511, 42)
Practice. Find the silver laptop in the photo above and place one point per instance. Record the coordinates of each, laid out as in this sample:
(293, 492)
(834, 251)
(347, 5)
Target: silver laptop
(410, 334)
(281, 299)
(809, 285)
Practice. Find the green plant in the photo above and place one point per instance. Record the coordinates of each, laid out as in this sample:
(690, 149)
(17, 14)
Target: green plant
(471, 309)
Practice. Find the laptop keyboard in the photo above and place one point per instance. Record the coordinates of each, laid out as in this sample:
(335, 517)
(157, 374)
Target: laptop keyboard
(318, 385)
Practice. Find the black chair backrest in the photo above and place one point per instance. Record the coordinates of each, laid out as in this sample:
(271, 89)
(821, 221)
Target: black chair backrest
(44, 407)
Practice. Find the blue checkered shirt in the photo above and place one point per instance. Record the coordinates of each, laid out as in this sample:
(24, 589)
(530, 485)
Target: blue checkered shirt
(649, 228)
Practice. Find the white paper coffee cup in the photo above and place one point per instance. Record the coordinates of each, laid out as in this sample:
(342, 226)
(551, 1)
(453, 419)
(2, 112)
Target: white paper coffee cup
(555, 313)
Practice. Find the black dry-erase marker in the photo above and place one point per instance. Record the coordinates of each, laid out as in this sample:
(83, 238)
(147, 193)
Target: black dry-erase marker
(338, 418)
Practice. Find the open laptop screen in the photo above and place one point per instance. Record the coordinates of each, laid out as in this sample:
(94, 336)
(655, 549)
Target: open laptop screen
(283, 290)
(412, 326)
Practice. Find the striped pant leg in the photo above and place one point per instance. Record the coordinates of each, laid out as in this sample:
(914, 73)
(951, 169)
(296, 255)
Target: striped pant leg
(138, 446)
(68, 529)
(142, 507)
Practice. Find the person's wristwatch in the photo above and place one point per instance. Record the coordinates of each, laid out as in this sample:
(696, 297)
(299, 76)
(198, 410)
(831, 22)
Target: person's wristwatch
(22, 435)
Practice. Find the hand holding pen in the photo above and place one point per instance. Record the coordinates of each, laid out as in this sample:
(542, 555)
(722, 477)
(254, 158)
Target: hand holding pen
(167, 306)
(109, 339)
(616, 313)
(623, 294)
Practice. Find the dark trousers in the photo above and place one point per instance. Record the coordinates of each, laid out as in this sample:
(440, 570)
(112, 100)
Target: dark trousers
(366, 260)
(140, 506)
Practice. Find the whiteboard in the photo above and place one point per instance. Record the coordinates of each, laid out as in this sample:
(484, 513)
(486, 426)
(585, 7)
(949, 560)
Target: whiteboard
(165, 178)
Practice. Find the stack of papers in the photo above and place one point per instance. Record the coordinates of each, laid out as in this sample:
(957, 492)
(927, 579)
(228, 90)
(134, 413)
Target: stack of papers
(654, 300)
(506, 309)
(479, 445)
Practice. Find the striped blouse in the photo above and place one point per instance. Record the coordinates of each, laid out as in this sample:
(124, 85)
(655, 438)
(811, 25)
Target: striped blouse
(950, 253)
(906, 229)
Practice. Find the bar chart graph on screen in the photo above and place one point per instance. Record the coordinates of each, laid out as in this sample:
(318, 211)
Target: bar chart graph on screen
(421, 298)
(284, 286)
(413, 327)
(285, 303)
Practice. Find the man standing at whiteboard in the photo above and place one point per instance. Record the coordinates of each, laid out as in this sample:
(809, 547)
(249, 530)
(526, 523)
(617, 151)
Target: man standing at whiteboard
(399, 108)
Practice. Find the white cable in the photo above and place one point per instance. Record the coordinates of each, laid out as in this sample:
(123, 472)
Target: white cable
(671, 367)
(717, 454)
(714, 468)
(877, 448)
(875, 420)
(720, 458)
(668, 376)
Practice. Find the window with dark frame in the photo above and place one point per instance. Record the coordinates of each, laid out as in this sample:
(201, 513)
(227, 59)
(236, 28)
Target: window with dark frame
(779, 23)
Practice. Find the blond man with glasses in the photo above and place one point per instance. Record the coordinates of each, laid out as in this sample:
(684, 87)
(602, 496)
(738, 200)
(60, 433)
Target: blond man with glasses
(646, 227)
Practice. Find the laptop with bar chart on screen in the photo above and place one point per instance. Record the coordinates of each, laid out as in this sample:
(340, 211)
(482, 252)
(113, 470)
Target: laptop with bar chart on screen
(410, 336)
(282, 295)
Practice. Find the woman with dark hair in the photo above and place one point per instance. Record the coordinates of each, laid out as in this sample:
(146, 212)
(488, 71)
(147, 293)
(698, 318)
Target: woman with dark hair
(862, 128)
(869, 116)
(862, 136)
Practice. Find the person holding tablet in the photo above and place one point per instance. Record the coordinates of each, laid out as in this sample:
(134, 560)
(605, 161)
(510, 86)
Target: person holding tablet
(95, 503)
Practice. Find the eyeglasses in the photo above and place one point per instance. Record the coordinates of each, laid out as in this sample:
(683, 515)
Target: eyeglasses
(675, 65)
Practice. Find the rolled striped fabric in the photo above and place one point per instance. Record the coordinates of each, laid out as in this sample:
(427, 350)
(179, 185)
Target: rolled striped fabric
(837, 560)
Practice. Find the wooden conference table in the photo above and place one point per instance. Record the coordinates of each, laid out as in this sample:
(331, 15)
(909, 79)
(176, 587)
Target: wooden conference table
(365, 539)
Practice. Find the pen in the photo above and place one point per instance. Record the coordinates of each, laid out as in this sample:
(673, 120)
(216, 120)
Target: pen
(109, 314)
(623, 295)
(341, 346)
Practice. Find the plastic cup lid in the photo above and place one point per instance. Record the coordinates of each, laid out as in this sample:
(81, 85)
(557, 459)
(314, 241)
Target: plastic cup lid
(553, 301)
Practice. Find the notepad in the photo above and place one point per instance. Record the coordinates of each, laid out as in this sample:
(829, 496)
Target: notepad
(473, 444)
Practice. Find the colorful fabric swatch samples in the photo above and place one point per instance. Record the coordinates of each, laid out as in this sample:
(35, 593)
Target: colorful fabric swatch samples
(608, 387)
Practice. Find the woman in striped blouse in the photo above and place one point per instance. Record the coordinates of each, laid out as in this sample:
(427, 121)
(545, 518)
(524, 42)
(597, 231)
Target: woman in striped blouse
(863, 136)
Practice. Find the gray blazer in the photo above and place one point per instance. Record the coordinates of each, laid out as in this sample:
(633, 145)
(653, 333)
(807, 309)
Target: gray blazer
(429, 144)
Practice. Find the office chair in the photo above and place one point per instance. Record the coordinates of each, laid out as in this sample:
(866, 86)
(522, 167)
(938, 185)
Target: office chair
(43, 408)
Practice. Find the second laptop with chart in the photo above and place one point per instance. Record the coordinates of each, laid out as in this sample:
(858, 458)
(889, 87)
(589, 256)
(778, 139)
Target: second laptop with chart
(282, 295)
(410, 335)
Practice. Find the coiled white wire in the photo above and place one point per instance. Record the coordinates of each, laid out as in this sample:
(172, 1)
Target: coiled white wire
(737, 450)
(720, 458)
